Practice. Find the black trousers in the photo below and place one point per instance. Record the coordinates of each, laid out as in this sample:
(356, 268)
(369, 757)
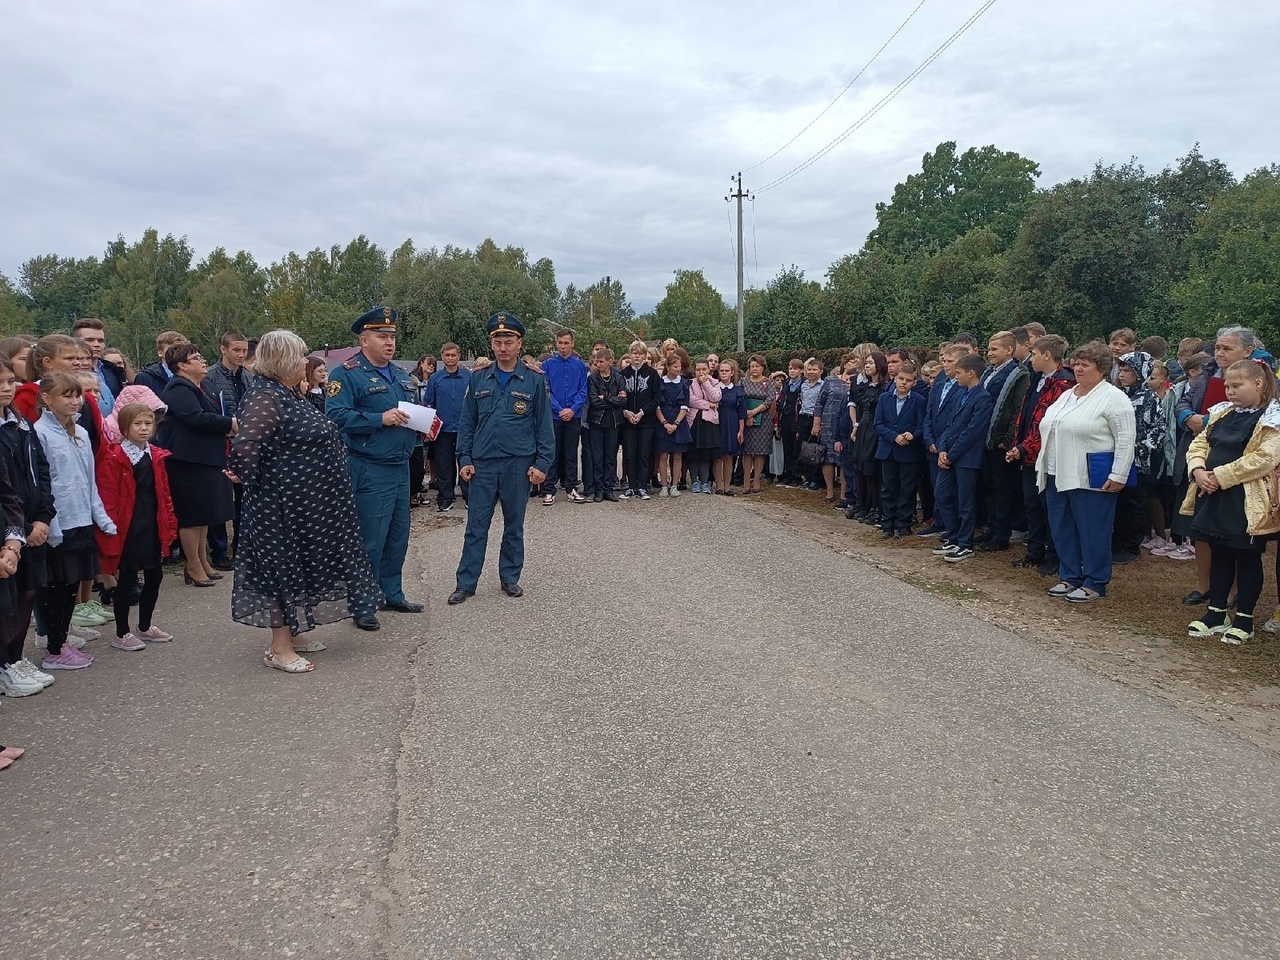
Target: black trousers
(1243, 568)
(790, 446)
(13, 629)
(1002, 486)
(1039, 535)
(1131, 519)
(564, 466)
(444, 459)
(588, 460)
(604, 457)
(152, 577)
(417, 471)
(58, 601)
(637, 453)
(868, 484)
(897, 493)
(217, 535)
(924, 484)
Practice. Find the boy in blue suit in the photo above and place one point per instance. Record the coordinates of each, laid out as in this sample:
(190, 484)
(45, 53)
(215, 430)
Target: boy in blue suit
(940, 407)
(899, 424)
(960, 451)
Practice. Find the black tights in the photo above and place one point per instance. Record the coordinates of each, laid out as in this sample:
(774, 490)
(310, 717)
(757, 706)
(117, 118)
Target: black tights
(869, 485)
(152, 577)
(1241, 567)
(13, 629)
(59, 601)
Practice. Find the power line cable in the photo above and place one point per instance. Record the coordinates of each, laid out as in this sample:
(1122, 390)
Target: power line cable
(882, 103)
(755, 250)
(824, 110)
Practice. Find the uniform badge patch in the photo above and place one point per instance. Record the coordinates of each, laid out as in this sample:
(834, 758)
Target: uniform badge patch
(335, 387)
(520, 407)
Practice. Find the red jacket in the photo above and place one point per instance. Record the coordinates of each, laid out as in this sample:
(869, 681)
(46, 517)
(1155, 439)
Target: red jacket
(119, 493)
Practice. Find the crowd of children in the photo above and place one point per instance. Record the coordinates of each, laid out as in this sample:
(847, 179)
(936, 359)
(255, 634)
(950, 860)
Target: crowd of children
(958, 448)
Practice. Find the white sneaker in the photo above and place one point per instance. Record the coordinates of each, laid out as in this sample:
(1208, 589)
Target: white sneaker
(14, 684)
(28, 669)
(74, 641)
(1273, 625)
(83, 633)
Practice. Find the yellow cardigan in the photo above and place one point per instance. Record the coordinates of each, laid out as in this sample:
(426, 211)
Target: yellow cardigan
(1256, 470)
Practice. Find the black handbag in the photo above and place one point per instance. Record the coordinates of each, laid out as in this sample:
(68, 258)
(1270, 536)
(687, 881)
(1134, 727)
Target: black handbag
(812, 454)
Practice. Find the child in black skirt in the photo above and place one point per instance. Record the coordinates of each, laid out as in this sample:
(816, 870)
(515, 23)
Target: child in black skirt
(1232, 500)
(135, 490)
(73, 554)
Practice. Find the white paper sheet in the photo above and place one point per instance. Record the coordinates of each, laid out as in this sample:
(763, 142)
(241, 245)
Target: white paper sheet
(422, 419)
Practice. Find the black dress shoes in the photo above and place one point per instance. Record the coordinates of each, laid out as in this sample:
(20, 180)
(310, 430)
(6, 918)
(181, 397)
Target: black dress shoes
(513, 590)
(458, 596)
(403, 606)
(222, 563)
(368, 622)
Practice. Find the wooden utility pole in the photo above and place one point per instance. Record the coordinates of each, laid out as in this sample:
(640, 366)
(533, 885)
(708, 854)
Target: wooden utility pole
(739, 195)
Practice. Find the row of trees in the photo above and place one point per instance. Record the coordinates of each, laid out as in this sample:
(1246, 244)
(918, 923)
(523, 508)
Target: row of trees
(968, 243)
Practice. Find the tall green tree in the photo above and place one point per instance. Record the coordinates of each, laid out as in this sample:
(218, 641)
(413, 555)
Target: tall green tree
(786, 314)
(951, 195)
(145, 289)
(60, 290)
(1234, 274)
(1087, 254)
(15, 312)
(693, 312)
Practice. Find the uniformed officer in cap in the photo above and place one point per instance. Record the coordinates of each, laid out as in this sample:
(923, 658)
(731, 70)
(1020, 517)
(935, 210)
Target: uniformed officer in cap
(364, 397)
(505, 446)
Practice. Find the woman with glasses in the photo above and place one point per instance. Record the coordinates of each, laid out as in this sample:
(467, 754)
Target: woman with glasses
(195, 434)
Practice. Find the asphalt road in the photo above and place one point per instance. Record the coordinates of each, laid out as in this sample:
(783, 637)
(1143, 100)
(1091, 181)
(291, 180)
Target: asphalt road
(698, 735)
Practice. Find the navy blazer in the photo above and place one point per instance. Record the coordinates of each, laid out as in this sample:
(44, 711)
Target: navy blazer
(965, 437)
(192, 430)
(889, 423)
(937, 414)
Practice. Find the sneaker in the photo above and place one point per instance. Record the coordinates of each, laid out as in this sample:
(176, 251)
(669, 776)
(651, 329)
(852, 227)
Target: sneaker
(85, 616)
(944, 548)
(68, 659)
(28, 669)
(549, 499)
(627, 494)
(575, 497)
(932, 530)
(83, 633)
(1164, 548)
(644, 494)
(1273, 625)
(707, 488)
(153, 634)
(675, 491)
(14, 684)
(76, 643)
(128, 643)
(41, 642)
(664, 492)
(1182, 552)
(959, 555)
(446, 507)
(1060, 589)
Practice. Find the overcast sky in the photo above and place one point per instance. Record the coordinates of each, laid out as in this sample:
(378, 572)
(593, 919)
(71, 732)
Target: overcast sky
(602, 135)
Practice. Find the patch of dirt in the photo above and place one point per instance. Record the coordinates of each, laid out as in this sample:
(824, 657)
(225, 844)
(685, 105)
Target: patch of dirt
(1137, 635)
(427, 518)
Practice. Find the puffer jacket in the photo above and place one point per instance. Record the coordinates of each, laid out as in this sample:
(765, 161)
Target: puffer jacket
(1148, 413)
(1255, 470)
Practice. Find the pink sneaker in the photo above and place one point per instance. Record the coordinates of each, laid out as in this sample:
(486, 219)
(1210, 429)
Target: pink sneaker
(1182, 552)
(69, 659)
(154, 634)
(128, 643)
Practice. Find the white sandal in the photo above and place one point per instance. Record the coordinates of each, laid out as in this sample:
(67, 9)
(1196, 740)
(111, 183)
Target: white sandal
(298, 665)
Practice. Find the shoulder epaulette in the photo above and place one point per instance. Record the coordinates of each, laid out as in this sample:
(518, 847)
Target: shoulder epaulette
(352, 364)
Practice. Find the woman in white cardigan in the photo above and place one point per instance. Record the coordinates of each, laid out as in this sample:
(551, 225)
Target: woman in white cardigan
(1094, 418)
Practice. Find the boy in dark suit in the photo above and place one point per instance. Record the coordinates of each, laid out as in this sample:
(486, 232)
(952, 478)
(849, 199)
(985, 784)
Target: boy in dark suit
(939, 409)
(960, 451)
(1006, 380)
(899, 424)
